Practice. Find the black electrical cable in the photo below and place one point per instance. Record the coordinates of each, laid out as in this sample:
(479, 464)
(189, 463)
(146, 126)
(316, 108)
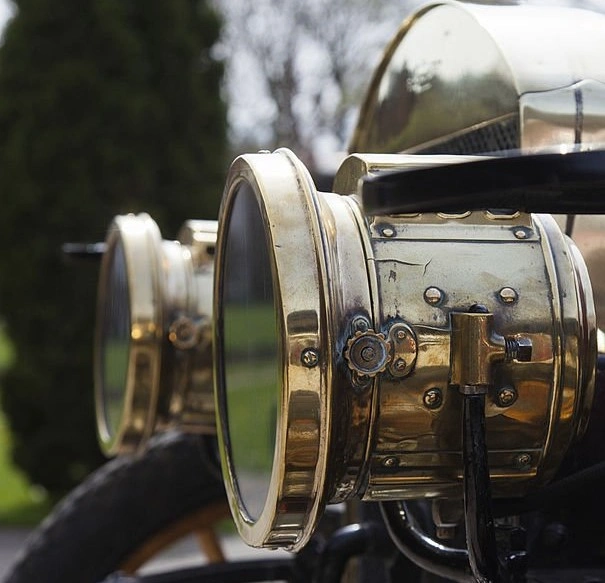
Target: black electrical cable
(478, 518)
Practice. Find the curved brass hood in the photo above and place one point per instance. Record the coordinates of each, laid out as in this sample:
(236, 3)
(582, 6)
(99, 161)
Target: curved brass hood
(469, 78)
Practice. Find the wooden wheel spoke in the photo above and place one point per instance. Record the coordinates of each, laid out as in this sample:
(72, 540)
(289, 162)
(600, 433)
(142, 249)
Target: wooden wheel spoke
(201, 523)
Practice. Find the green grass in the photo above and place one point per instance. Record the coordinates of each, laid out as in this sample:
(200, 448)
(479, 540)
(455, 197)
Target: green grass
(115, 371)
(245, 325)
(252, 410)
(251, 371)
(20, 504)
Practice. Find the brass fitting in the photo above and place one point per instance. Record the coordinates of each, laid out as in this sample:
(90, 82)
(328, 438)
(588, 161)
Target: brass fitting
(475, 346)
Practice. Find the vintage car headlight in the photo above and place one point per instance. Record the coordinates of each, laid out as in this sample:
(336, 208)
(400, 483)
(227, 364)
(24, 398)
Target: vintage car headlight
(386, 323)
(152, 346)
(336, 344)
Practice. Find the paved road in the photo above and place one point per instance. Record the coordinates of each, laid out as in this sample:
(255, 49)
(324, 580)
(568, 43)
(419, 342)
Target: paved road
(11, 540)
(187, 554)
(183, 554)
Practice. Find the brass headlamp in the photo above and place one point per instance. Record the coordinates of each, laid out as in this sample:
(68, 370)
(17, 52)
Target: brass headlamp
(350, 338)
(367, 306)
(153, 347)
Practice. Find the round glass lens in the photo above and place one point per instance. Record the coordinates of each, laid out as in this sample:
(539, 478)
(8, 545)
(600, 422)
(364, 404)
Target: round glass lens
(115, 340)
(250, 351)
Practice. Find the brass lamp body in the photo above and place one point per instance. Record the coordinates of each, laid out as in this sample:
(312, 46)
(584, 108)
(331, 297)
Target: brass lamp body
(375, 414)
(164, 307)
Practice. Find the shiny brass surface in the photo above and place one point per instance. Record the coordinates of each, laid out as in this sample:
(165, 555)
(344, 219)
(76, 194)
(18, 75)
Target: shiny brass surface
(458, 78)
(135, 410)
(397, 285)
(354, 166)
(410, 432)
(588, 233)
(405, 349)
(462, 78)
(317, 260)
(368, 353)
(549, 86)
(191, 406)
(563, 116)
(166, 352)
(466, 78)
(474, 349)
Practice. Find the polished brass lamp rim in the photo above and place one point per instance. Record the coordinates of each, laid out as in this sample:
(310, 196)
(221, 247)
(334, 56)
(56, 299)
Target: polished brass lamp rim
(296, 492)
(140, 239)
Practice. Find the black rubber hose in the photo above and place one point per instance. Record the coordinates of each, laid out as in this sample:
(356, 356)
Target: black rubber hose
(422, 550)
(347, 542)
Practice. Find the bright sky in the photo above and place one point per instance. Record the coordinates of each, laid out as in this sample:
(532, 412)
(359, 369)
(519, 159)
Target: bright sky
(6, 11)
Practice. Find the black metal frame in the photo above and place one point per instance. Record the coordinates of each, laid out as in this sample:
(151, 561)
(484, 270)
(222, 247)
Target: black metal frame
(572, 183)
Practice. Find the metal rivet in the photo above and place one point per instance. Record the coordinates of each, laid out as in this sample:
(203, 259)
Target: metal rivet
(401, 335)
(387, 231)
(433, 295)
(508, 295)
(506, 396)
(400, 365)
(523, 461)
(389, 462)
(521, 234)
(184, 333)
(433, 398)
(309, 357)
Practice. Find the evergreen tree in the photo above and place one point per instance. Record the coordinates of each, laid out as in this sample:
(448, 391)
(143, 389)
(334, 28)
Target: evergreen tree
(106, 107)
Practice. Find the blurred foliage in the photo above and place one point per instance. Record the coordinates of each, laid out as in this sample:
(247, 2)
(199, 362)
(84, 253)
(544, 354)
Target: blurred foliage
(20, 503)
(306, 65)
(106, 107)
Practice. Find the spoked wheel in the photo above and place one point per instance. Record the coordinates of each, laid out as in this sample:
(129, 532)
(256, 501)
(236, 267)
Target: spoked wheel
(201, 523)
(126, 512)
